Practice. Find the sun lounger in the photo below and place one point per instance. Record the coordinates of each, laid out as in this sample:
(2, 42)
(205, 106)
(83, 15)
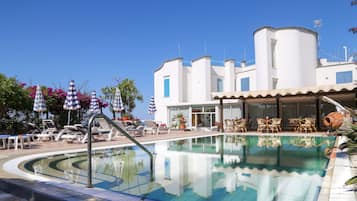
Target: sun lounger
(33, 129)
(150, 127)
(103, 128)
(49, 132)
(162, 129)
(136, 132)
(71, 132)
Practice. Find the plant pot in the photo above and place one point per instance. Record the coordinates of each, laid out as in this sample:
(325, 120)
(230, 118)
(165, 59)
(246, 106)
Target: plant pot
(333, 120)
(182, 126)
(125, 118)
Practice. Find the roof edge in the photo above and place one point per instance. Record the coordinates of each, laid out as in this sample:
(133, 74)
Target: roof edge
(167, 61)
(302, 29)
(209, 57)
(226, 60)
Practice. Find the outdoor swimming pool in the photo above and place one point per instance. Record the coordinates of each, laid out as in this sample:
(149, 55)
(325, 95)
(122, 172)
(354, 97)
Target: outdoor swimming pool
(246, 168)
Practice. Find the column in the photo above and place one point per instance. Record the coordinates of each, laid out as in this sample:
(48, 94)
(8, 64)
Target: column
(277, 106)
(317, 105)
(221, 114)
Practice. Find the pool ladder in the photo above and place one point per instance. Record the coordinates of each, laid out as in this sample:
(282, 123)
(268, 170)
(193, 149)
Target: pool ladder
(125, 133)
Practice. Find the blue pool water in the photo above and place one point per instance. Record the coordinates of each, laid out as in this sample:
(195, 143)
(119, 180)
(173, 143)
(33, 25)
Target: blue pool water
(246, 168)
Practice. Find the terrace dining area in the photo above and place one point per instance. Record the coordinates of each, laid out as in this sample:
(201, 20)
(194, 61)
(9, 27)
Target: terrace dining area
(295, 110)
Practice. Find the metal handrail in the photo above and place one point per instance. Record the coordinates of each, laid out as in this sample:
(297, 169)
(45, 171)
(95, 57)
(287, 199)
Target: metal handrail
(125, 133)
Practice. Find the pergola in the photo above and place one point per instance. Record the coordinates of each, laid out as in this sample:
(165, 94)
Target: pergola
(317, 92)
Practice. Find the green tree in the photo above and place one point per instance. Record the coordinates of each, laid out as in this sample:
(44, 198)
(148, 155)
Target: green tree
(15, 103)
(129, 94)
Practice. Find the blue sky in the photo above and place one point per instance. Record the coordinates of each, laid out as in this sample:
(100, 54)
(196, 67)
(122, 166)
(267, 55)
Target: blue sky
(96, 42)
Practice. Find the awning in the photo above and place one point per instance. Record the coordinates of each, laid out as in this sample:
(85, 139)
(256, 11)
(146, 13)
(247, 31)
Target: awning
(285, 92)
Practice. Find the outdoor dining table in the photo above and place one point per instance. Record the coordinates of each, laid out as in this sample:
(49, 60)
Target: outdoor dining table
(16, 139)
(4, 139)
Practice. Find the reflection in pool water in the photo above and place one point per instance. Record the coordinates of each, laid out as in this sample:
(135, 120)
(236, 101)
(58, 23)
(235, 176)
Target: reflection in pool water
(245, 168)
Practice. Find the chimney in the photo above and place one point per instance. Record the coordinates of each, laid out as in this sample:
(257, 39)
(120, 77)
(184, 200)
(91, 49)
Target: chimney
(242, 63)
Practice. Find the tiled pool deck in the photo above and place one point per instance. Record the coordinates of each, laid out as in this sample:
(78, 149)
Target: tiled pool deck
(332, 188)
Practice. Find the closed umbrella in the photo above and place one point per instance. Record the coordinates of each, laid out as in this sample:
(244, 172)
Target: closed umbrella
(117, 101)
(39, 104)
(71, 102)
(94, 105)
(152, 107)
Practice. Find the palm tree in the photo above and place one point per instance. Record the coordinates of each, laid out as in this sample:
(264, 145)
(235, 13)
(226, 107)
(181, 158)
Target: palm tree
(129, 93)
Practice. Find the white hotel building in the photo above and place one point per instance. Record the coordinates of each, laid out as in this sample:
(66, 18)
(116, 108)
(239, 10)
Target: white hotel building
(285, 58)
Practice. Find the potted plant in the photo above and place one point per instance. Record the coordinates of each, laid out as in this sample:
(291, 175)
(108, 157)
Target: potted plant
(182, 121)
(125, 117)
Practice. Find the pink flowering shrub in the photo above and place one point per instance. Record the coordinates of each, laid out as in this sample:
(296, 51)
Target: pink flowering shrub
(55, 99)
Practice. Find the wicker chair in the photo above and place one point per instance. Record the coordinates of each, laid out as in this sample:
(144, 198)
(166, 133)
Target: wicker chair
(313, 123)
(240, 125)
(306, 125)
(275, 125)
(261, 124)
(229, 125)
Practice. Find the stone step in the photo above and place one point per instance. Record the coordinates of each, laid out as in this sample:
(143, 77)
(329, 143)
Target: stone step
(9, 197)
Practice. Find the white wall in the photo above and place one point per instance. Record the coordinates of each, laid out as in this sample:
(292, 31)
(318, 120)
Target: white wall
(173, 69)
(187, 81)
(326, 75)
(217, 73)
(262, 48)
(201, 82)
(295, 57)
(249, 71)
(229, 75)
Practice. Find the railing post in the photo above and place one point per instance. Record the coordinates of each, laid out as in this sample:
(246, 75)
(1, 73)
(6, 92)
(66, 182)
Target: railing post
(89, 151)
(89, 146)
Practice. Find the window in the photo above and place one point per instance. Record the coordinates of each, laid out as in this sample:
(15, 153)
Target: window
(244, 84)
(167, 168)
(166, 86)
(219, 85)
(343, 77)
(275, 82)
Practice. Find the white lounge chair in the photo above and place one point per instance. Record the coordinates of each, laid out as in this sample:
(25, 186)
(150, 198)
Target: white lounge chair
(104, 128)
(136, 132)
(162, 128)
(150, 127)
(49, 131)
(71, 132)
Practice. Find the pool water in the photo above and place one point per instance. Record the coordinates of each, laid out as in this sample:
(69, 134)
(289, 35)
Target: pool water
(245, 168)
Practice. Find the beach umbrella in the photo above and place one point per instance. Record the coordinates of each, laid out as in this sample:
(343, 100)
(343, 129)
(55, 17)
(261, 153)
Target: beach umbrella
(94, 105)
(117, 101)
(152, 107)
(71, 102)
(39, 104)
